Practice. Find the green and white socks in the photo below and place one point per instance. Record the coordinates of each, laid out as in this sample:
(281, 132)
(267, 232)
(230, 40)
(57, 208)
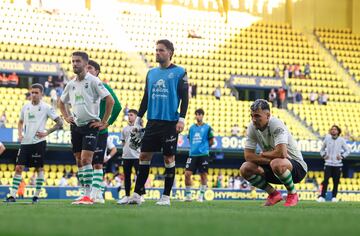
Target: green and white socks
(87, 179)
(287, 180)
(39, 183)
(81, 180)
(260, 182)
(15, 185)
(202, 191)
(97, 180)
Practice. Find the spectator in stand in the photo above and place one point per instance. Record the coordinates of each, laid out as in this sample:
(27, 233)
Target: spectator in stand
(194, 91)
(281, 94)
(59, 90)
(237, 183)
(307, 71)
(272, 97)
(323, 99)
(298, 97)
(297, 71)
(291, 71)
(277, 72)
(286, 71)
(3, 120)
(193, 34)
(3, 80)
(235, 130)
(13, 80)
(48, 85)
(217, 93)
(312, 97)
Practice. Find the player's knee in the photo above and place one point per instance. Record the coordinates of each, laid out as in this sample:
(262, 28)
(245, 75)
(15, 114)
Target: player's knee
(19, 169)
(169, 160)
(188, 174)
(247, 169)
(98, 166)
(145, 156)
(278, 166)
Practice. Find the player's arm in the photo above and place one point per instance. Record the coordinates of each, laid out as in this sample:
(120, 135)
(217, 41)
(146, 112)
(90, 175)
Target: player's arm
(211, 137)
(2, 148)
(183, 92)
(58, 123)
(116, 108)
(64, 110)
(109, 101)
(103, 93)
(251, 156)
(143, 105)
(20, 130)
(346, 149)
(112, 148)
(323, 149)
(280, 151)
(280, 140)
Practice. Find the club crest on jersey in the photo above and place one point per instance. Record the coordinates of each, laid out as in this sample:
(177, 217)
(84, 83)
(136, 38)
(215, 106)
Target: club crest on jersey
(87, 85)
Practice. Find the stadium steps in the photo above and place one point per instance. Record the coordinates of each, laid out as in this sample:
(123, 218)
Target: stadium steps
(122, 41)
(331, 60)
(310, 128)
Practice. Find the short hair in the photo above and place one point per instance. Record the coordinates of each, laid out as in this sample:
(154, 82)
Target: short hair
(81, 54)
(38, 86)
(168, 44)
(133, 111)
(200, 111)
(94, 64)
(261, 104)
(337, 127)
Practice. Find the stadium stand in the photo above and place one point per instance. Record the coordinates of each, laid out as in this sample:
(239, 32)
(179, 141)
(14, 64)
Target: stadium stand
(344, 45)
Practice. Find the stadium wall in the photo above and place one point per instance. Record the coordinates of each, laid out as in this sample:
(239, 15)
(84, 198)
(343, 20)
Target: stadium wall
(309, 14)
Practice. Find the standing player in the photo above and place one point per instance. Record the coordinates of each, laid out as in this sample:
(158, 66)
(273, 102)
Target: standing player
(32, 122)
(166, 86)
(280, 161)
(130, 156)
(201, 139)
(333, 150)
(84, 94)
(100, 151)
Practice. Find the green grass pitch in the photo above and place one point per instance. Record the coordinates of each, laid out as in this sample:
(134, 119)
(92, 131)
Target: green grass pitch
(55, 217)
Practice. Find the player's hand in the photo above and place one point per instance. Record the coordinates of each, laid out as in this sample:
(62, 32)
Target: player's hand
(326, 157)
(41, 134)
(339, 157)
(137, 125)
(69, 119)
(106, 158)
(180, 127)
(20, 137)
(104, 126)
(96, 124)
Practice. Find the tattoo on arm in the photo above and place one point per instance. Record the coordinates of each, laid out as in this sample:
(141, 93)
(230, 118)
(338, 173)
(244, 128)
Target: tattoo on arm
(58, 125)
